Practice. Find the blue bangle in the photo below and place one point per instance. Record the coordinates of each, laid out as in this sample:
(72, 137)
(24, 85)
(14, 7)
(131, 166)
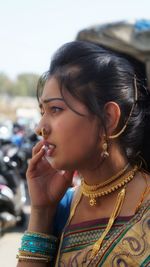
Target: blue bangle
(39, 243)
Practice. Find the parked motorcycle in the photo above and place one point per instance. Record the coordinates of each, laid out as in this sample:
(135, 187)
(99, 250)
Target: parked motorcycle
(12, 193)
(13, 166)
(20, 155)
(7, 219)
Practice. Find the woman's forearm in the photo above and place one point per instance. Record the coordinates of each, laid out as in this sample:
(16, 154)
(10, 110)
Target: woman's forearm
(41, 222)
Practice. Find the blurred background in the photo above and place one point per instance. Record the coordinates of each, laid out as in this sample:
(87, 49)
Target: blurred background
(30, 32)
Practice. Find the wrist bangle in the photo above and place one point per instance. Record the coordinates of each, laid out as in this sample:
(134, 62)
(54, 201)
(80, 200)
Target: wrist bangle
(37, 246)
(38, 234)
(33, 259)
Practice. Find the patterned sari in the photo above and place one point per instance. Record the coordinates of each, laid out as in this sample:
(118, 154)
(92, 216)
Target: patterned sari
(126, 245)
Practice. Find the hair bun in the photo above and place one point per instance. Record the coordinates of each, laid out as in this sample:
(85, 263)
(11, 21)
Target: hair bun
(143, 99)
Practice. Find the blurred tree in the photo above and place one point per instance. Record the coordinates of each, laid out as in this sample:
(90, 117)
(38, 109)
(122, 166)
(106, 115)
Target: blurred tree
(24, 85)
(6, 84)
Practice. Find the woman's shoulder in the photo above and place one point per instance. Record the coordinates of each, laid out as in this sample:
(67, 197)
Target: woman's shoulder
(146, 194)
(143, 211)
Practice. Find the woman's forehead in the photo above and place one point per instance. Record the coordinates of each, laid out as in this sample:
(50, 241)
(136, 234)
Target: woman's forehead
(52, 92)
(51, 89)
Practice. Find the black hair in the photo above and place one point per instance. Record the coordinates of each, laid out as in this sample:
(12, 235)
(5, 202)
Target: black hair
(95, 76)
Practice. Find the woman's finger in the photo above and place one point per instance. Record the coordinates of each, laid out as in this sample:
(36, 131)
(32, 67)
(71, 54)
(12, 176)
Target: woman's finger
(37, 147)
(36, 158)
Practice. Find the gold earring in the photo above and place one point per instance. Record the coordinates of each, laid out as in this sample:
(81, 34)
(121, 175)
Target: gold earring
(105, 153)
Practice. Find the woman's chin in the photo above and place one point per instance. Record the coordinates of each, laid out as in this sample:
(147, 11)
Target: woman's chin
(59, 165)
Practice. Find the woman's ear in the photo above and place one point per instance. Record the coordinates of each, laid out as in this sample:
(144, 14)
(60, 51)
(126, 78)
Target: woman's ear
(112, 116)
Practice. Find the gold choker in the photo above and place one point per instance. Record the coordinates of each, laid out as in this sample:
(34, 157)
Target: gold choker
(95, 191)
(108, 181)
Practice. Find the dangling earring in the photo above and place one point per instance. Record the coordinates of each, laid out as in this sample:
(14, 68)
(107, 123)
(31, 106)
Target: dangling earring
(105, 153)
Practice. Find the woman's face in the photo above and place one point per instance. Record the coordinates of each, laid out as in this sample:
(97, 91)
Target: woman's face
(75, 138)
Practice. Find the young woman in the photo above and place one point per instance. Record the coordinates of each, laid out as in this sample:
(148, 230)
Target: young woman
(95, 120)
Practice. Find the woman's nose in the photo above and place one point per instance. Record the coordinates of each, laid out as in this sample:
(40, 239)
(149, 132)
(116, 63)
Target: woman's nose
(42, 131)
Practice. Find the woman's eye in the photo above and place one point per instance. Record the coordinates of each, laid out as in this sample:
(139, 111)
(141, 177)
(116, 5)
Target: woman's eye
(52, 110)
(55, 109)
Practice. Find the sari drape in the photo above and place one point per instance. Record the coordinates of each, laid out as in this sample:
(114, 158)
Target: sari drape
(126, 245)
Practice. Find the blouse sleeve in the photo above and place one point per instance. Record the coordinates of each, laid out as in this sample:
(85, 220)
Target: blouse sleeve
(63, 211)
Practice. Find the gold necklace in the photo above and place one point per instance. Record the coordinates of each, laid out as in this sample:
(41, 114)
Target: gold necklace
(96, 247)
(108, 181)
(118, 205)
(107, 189)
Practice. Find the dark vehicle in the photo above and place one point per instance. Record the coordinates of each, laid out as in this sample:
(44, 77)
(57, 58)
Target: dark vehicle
(13, 195)
(7, 219)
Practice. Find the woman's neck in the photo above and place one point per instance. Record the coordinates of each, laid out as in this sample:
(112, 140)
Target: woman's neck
(109, 167)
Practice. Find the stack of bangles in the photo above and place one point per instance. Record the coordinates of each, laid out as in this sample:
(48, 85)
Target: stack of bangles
(37, 247)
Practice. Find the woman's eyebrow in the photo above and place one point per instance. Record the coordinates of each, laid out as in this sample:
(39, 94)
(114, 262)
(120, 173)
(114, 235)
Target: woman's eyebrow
(52, 99)
(45, 101)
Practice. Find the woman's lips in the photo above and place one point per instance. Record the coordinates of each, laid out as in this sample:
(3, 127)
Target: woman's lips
(49, 149)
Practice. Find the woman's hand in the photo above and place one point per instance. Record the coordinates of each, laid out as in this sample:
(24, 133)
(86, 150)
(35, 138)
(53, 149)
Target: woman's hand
(46, 185)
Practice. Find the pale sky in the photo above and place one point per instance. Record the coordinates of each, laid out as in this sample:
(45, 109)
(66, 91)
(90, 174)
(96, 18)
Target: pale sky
(31, 30)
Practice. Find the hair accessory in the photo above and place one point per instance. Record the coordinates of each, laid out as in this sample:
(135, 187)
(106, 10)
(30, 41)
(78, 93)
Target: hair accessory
(104, 153)
(93, 192)
(131, 111)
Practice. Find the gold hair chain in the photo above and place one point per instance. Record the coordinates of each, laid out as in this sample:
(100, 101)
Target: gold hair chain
(131, 111)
